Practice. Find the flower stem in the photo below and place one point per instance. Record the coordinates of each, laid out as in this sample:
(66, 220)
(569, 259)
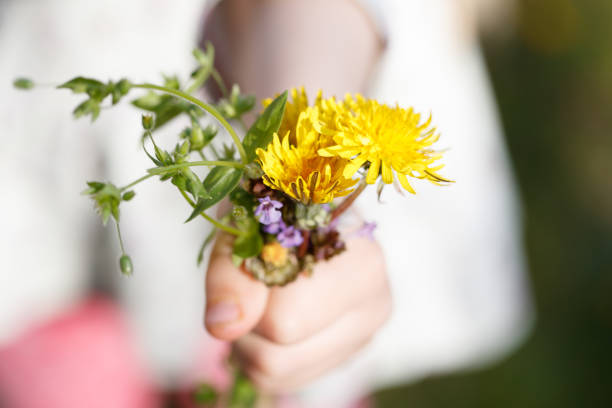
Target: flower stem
(344, 205)
(133, 183)
(217, 77)
(205, 107)
(160, 170)
(214, 222)
(120, 238)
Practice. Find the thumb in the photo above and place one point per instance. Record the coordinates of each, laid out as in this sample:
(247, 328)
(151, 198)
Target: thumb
(235, 301)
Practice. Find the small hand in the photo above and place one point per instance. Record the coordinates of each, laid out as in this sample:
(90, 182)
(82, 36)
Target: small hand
(286, 337)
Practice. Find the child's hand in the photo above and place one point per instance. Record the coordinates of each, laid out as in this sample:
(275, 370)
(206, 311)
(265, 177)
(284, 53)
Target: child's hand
(286, 337)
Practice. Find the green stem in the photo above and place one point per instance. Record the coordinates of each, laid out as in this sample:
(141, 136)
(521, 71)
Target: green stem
(217, 77)
(161, 170)
(197, 83)
(133, 183)
(205, 107)
(120, 238)
(210, 219)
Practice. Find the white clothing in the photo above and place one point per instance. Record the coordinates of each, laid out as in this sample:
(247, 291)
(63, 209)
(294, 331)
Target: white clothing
(453, 254)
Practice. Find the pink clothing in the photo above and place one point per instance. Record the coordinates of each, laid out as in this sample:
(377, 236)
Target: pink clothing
(83, 358)
(87, 357)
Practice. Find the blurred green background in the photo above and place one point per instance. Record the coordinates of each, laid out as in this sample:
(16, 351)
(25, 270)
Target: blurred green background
(553, 81)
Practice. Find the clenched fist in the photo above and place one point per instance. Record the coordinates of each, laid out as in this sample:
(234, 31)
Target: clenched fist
(288, 336)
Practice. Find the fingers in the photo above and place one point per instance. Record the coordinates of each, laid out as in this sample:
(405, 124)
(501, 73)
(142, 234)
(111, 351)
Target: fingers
(312, 303)
(283, 368)
(235, 301)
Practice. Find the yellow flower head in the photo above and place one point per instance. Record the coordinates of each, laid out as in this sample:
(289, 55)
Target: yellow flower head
(292, 164)
(274, 253)
(391, 140)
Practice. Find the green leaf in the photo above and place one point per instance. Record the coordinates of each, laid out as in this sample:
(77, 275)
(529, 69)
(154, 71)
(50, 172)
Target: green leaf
(165, 107)
(209, 132)
(237, 260)
(218, 183)
(148, 102)
(169, 109)
(172, 81)
(205, 58)
(162, 155)
(120, 89)
(206, 242)
(89, 107)
(180, 181)
(114, 205)
(184, 149)
(105, 212)
(250, 243)
(241, 103)
(260, 134)
(92, 87)
(94, 187)
(237, 104)
(194, 185)
(153, 159)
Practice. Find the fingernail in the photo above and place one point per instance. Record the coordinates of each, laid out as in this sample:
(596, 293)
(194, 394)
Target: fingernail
(222, 312)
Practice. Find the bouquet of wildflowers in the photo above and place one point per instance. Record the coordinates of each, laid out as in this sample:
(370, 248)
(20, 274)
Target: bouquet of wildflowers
(296, 170)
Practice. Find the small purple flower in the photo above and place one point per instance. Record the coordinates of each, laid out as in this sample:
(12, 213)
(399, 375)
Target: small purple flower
(267, 211)
(290, 237)
(367, 230)
(275, 227)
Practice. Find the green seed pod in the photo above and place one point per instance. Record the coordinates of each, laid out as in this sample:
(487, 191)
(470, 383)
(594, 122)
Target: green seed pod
(23, 83)
(197, 138)
(148, 122)
(128, 195)
(125, 263)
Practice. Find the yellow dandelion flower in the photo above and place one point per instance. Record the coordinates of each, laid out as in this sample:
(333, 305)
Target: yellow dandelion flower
(296, 168)
(390, 139)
